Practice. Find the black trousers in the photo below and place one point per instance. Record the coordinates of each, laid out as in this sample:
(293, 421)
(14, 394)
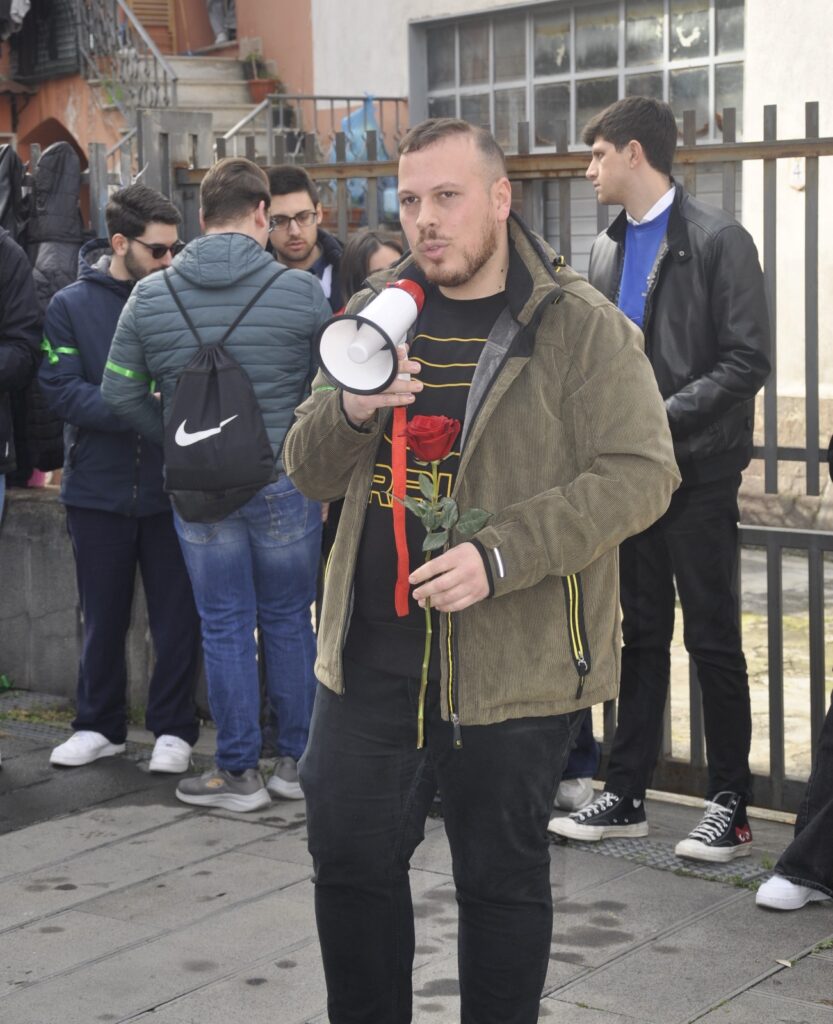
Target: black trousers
(808, 860)
(108, 548)
(368, 791)
(695, 544)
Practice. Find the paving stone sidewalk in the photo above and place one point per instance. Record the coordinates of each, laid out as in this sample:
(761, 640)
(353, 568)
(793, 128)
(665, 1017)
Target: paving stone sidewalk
(117, 904)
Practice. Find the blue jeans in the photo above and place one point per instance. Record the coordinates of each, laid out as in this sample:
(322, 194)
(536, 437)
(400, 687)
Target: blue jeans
(583, 762)
(257, 568)
(368, 792)
(2, 494)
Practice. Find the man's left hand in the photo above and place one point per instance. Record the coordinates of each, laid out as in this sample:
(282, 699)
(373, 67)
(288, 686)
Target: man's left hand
(454, 580)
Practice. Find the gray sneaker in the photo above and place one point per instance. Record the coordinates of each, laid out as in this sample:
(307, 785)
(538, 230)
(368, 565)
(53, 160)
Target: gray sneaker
(284, 781)
(219, 788)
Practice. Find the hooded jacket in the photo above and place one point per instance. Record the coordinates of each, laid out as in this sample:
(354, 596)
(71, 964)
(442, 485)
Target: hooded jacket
(19, 337)
(215, 276)
(107, 465)
(706, 329)
(566, 441)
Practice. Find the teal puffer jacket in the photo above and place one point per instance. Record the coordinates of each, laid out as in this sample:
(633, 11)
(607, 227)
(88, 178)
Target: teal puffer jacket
(215, 276)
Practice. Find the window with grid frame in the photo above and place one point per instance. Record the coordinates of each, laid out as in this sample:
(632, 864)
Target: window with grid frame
(556, 65)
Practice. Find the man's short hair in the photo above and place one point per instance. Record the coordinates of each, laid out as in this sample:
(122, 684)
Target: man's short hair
(131, 209)
(287, 178)
(231, 190)
(435, 129)
(651, 122)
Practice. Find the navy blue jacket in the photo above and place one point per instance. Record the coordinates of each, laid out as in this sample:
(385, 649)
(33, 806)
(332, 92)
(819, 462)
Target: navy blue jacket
(107, 465)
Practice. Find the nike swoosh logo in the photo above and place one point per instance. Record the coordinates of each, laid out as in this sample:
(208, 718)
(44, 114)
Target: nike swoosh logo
(183, 438)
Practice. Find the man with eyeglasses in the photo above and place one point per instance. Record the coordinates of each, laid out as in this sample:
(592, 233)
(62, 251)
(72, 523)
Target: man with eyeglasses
(295, 235)
(118, 515)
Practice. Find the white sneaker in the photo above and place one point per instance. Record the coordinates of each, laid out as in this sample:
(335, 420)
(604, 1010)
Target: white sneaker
(170, 754)
(779, 893)
(221, 37)
(284, 781)
(83, 747)
(573, 794)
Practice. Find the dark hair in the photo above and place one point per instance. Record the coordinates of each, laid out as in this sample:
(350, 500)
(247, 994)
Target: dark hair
(435, 129)
(651, 122)
(286, 178)
(131, 209)
(231, 189)
(355, 259)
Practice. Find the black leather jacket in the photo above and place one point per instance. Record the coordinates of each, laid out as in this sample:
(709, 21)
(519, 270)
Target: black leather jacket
(706, 329)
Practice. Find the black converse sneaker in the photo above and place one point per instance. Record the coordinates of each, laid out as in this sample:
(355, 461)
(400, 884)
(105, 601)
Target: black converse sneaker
(609, 815)
(723, 832)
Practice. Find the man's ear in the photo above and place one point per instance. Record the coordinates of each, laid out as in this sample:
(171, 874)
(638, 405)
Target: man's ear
(119, 243)
(636, 154)
(202, 222)
(261, 215)
(319, 213)
(502, 193)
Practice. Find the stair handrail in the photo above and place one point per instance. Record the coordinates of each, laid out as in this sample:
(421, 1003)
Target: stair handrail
(109, 32)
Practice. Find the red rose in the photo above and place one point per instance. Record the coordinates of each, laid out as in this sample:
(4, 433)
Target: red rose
(431, 438)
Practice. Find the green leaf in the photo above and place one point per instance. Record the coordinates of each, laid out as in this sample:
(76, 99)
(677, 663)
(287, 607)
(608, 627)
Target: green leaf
(435, 540)
(472, 520)
(412, 505)
(426, 485)
(449, 513)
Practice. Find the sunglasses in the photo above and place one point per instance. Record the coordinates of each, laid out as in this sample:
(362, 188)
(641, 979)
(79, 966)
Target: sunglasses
(158, 250)
(302, 219)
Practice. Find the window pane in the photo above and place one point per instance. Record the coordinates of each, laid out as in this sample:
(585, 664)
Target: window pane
(591, 97)
(643, 32)
(440, 47)
(728, 92)
(729, 17)
(552, 44)
(689, 29)
(442, 106)
(474, 54)
(475, 109)
(510, 49)
(597, 37)
(552, 104)
(689, 90)
(510, 107)
(644, 85)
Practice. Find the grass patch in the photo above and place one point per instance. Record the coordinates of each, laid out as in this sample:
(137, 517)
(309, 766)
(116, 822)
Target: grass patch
(44, 715)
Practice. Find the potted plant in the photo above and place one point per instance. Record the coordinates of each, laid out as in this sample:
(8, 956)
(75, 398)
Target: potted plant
(261, 76)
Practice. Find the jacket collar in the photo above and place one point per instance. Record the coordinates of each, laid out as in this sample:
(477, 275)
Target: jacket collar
(679, 245)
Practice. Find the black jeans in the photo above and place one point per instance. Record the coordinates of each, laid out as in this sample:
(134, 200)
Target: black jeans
(368, 791)
(808, 860)
(108, 547)
(695, 544)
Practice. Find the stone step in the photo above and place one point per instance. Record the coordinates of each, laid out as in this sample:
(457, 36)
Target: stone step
(207, 93)
(193, 69)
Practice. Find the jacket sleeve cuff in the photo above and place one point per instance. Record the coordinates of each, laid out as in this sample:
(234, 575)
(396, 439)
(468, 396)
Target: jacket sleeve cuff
(486, 565)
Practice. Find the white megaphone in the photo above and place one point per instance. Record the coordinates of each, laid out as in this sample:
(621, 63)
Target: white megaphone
(358, 351)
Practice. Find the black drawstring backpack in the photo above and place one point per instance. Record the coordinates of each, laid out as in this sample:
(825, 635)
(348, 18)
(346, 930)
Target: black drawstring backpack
(217, 451)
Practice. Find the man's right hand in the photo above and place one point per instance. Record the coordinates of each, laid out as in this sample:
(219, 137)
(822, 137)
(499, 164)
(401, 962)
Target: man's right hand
(360, 408)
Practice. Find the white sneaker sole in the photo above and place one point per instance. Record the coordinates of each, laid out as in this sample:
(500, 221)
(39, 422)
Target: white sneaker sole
(77, 760)
(570, 829)
(285, 790)
(695, 850)
(169, 765)
(793, 903)
(228, 801)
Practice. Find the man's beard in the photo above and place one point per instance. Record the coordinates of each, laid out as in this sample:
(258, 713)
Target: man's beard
(134, 269)
(290, 258)
(473, 259)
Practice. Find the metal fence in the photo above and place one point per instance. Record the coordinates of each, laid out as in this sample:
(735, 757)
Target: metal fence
(544, 181)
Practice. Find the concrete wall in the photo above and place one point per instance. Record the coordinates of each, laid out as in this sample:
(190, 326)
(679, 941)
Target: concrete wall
(40, 621)
(788, 63)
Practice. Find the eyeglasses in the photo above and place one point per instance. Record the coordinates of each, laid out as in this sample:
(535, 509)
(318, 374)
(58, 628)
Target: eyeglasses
(282, 222)
(158, 250)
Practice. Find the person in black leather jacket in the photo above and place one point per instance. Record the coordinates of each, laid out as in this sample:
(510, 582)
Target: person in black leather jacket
(688, 274)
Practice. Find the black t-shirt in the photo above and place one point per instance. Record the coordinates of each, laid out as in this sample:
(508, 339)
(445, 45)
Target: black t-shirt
(450, 336)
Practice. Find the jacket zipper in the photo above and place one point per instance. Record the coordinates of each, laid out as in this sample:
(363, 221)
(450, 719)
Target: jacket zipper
(579, 648)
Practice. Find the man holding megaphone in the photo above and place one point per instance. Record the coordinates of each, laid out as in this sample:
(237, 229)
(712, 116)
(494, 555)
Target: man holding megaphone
(565, 441)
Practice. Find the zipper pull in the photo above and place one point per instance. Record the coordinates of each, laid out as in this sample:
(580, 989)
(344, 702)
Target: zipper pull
(582, 668)
(457, 731)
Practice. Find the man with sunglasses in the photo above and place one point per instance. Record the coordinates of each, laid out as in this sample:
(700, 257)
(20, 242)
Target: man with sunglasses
(295, 235)
(118, 515)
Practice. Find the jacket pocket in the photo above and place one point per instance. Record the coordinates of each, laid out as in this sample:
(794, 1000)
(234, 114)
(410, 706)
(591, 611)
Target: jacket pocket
(577, 633)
